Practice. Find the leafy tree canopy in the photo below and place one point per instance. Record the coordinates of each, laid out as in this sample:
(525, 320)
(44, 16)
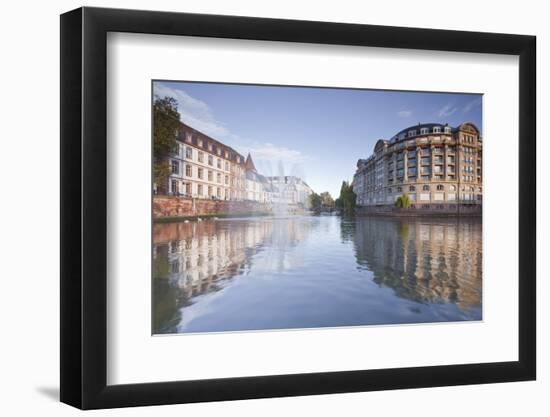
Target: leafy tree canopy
(166, 124)
(403, 201)
(347, 199)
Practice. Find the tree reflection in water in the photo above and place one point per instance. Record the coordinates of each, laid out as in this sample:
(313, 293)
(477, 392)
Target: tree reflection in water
(314, 271)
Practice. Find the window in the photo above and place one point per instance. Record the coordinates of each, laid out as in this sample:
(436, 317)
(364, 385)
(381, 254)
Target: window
(425, 188)
(201, 156)
(209, 190)
(187, 137)
(210, 160)
(226, 166)
(174, 187)
(189, 152)
(226, 180)
(188, 188)
(447, 129)
(437, 129)
(424, 131)
(412, 133)
(412, 188)
(188, 170)
(219, 163)
(209, 147)
(219, 178)
(175, 167)
(209, 175)
(399, 189)
(440, 187)
(200, 173)
(200, 142)
(218, 192)
(199, 189)
(218, 150)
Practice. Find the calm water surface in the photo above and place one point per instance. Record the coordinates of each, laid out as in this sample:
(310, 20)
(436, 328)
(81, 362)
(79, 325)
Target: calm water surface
(314, 271)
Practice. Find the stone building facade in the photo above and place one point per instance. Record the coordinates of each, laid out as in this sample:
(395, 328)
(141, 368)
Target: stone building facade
(290, 190)
(438, 166)
(202, 167)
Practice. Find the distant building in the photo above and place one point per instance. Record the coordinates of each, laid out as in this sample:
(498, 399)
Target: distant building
(436, 165)
(257, 187)
(203, 167)
(290, 190)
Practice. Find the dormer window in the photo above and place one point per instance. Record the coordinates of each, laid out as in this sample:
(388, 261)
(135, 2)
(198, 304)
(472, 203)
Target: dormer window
(424, 131)
(412, 133)
(437, 129)
(447, 129)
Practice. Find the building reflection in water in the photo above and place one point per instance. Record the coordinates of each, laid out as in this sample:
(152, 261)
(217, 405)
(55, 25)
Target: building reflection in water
(433, 261)
(423, 262)
(190, 259)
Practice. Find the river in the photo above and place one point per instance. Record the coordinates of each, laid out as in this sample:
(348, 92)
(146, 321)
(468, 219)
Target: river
(296, 272)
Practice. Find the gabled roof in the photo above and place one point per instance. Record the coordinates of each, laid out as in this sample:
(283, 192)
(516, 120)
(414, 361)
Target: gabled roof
(249, 164)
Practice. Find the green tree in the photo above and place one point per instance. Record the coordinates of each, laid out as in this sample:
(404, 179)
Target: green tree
(166, 125)
(403, 201)
(314, 202)
(327, 201)
(346, 201)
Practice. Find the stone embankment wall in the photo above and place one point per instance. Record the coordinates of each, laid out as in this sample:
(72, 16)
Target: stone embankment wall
(445, 210)
(165, 207)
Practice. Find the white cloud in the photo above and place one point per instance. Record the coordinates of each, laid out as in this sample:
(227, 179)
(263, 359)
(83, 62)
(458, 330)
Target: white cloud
(270, 152)
(199, 115)
(447, 110)
(404, 113)
(471, 105)
(194, 112)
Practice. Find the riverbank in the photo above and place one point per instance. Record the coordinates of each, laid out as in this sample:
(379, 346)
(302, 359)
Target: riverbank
(209, 216)
(444, 211)
(172, 209)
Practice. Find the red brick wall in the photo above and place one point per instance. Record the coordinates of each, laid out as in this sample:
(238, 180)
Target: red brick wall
(168, 206)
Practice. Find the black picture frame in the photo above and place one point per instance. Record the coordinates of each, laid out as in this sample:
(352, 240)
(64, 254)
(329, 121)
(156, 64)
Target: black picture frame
(84, 207)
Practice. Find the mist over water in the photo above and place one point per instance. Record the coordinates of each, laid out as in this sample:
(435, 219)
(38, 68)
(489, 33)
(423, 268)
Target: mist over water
(288, 272)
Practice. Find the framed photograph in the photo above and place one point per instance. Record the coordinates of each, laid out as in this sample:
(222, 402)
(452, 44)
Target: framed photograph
(256, 208)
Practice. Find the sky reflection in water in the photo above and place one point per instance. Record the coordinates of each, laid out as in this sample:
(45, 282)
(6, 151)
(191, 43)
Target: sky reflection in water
(314, 271)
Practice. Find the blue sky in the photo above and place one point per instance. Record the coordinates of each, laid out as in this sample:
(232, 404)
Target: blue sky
(317, 133)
